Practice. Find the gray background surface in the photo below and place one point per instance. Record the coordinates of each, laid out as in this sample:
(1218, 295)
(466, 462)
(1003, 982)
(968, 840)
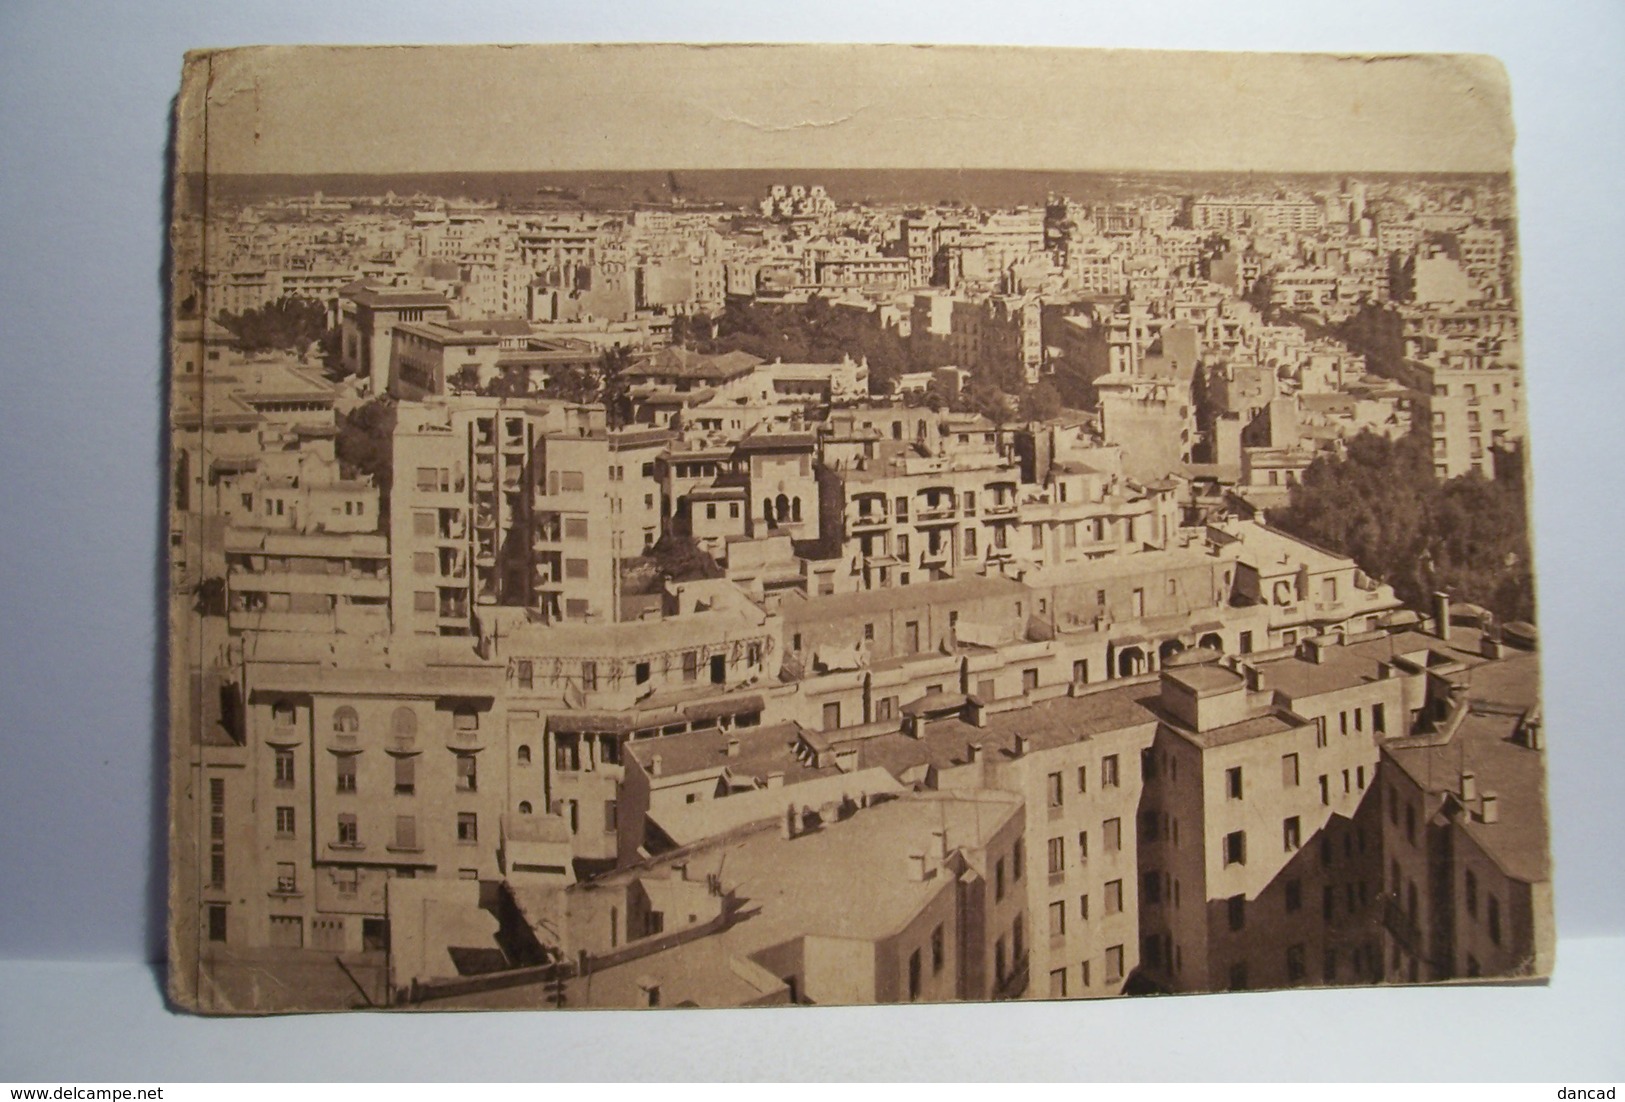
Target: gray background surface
(85, 95)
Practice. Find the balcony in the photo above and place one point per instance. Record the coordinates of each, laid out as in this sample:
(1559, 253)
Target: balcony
(1000, 509)
(937, 515)
(870, 520)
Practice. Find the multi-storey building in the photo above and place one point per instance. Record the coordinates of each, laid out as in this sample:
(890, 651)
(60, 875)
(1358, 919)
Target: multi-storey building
(367, 319)
(1467, 883)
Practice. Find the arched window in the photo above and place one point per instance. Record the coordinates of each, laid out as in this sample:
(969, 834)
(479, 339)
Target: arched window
(345, 721)
(524, 807)
(767, 509)
(795, 508)
(404, 721)
(782, 507)
(524, 755)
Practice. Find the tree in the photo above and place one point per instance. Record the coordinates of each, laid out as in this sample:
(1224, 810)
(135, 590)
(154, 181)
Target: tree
(1040, 402)
(572, 384)
(366, 444)
(288, 325)
(1383, 508)
(613, 385)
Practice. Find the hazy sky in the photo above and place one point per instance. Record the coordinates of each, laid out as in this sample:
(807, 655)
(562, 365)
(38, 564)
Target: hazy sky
(400, 109)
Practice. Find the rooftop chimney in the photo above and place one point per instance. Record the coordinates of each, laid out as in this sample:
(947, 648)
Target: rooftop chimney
(775, 779)
(1469, 787)
(1490, 808)
(1022, 743)
(917, 867)
(1441, 614)
(681, 869)
(733, 746)
(788, 822)
(1533, 736)
(974, 752)
(939, 844)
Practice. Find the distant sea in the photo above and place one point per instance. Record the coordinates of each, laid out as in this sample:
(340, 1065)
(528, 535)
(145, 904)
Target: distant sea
(986, 188)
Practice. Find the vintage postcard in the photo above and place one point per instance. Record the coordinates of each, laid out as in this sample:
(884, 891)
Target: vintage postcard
(662, 526)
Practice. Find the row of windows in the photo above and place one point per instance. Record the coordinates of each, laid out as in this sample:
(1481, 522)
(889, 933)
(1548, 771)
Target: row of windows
(406, 831)
(1110, 775)
(403, 721)
(1059, 978)
(1111, 831)
(1111, 904)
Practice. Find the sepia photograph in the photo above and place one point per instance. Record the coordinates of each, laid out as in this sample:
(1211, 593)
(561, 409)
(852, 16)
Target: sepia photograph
(672, 527)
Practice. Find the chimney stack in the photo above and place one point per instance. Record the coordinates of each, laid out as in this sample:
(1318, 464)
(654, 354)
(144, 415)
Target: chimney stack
(939, 844)
(733, 746)
(974, 752)
(1533, 737)
(1441, 614)
(1469, 787)
(1021, 745)
(789, 823)
(1490, 808)
(775, 780)
(917, 867)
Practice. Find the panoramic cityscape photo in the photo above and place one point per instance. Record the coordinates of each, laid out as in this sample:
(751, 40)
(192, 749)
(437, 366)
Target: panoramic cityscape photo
(760, 526)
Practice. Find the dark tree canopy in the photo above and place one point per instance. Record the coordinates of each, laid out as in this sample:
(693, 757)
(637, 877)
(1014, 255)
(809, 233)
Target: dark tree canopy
(1383, 507)
(286, 325)
(365, 444)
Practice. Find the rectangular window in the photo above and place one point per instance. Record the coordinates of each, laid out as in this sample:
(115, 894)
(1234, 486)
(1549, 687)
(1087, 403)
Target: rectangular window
(1083, 778)
(1114, 964)
(1320, 732)
(1018, 859)
(1289, 770)
(589, 676)
(938, 951)
(284, 768)
(1236, 908)
(1055, 795)
(284, 822)
(287, 878)
(1112, 835)
(1325, 789)
(832, 715)
(612, 817)
(405, 775)
(1379, 721)
(1151, 888)
(575, 568)
(1114, 897)
(1057, 856)
(1057, 984)
(1235, 848)
(468, 827)
(1232, 783)
(1080, 671)
(1108, 771)
(1083, 847)
(467, 773)
(1294, 964)
(998, 880)
(1057, 919)
(1291, 834)
(349, 834)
